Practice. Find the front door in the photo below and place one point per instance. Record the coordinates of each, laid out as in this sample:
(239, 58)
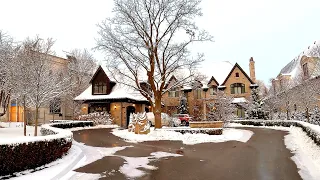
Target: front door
(130, 110)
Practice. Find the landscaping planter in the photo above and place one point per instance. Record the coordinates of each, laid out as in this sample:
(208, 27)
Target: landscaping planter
(206, 124)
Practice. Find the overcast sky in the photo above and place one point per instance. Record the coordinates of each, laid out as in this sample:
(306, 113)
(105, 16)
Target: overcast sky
(272, 31)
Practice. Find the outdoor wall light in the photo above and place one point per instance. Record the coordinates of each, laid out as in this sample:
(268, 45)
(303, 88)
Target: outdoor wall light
(133, 105)
(115, 106)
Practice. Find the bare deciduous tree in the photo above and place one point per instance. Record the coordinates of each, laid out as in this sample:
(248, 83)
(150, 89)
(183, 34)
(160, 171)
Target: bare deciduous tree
(221, 109)
(147, 40)
(7, 54)
(45, 81)
(80, 69)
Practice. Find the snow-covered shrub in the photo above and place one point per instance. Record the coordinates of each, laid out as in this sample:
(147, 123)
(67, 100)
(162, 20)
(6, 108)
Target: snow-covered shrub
(72, 124)
(98, 118)
(209, 131)
(313, 131)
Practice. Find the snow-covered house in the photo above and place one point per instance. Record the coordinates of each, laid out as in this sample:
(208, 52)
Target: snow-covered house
(230, 78)
(105, 95)
(305, 66)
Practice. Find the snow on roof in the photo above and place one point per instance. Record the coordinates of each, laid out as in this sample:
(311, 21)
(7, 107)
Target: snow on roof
(239, 100)
(118, 92)
(219, 70)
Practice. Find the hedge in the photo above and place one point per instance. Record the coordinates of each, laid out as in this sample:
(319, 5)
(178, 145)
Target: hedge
(311, 131)
(33, 152)
(210, 131)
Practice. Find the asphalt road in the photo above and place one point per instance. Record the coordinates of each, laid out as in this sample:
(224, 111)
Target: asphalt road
(263, 157)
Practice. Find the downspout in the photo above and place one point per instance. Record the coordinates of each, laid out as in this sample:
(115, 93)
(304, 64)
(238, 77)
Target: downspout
(121, 114)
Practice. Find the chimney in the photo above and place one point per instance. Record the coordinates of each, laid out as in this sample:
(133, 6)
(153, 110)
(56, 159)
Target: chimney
(252, 70)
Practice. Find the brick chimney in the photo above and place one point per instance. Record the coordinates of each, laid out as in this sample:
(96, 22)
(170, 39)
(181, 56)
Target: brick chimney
(252, 70)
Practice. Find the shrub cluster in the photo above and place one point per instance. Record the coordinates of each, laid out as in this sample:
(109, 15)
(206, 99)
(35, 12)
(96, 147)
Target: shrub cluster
(210, 131)
(72, 124)
(313, 134)
(98, 118)
(31, 154)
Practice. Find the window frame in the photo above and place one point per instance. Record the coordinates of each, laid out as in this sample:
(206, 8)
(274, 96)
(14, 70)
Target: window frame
(213, 90)
(100, 88)
(237, 88)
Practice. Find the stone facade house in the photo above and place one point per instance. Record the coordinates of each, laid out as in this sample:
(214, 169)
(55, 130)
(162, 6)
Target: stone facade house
(105, 95)
(224, 76)
(305, 68)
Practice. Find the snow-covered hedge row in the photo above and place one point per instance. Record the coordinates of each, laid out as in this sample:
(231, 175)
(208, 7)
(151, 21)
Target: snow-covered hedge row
(32, 152)
(210, 131)
(313, 131)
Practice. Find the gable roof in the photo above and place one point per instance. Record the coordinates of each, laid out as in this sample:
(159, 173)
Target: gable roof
(237, 65)
(218, 70)
(96, 73)
(171, 79)
(213, 79)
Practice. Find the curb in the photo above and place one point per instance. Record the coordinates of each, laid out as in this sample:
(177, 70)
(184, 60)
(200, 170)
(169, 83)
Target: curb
(70, 166)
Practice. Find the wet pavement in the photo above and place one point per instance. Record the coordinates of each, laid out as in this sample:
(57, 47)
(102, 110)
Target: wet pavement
(263, 157)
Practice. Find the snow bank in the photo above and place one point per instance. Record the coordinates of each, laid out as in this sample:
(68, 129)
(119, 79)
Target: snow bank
(11, 124)
(313, 131)
(187, 138)
(51, 170)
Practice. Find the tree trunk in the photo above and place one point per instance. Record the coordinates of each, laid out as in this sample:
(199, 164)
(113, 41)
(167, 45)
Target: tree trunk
(157, 111)
(36, 122)
(24, 117)
(52, 117)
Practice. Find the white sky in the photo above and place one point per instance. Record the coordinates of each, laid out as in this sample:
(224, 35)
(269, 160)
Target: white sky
(272, 31)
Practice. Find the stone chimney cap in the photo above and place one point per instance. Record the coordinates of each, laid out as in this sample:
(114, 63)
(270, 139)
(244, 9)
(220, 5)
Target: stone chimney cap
(251, 59)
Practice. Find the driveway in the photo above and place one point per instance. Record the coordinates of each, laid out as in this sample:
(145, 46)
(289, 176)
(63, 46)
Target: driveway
(263, 157)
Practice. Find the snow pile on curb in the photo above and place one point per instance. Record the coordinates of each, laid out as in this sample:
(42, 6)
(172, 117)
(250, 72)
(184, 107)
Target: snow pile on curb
(187, 138)
(313, 131)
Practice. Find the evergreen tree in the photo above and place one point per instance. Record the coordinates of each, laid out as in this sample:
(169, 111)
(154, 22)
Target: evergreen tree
(183, 107)
(256, 108)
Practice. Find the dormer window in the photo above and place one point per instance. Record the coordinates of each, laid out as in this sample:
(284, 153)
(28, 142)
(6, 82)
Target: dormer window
(213, 90)
(100, 88)
(305, 70)
(237, 74)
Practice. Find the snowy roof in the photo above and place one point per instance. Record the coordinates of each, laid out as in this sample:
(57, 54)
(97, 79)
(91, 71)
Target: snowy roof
(239, 100)
(293, 67)
(118, 92)
(218, 70)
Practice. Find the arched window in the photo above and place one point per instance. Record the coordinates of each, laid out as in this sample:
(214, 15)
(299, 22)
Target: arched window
(237, 88)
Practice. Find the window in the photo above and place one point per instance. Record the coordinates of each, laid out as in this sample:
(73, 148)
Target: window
(100, 88)
(237, 74)
(174, 92)
(305, 70)
(213, 90)
(55, 106)
(237, 88)
(198, 93)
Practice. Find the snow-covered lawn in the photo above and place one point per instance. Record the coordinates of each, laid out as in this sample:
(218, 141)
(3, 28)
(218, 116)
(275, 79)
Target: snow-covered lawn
(306, 152)
(16, 132)
(229, 134)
